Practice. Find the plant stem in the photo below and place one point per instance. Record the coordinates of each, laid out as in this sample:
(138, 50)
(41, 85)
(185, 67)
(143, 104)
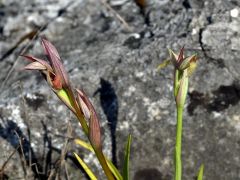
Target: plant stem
(178, 146)
(103, 163)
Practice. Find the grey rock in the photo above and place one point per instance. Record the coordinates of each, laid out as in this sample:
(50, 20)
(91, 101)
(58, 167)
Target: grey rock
(101, 56)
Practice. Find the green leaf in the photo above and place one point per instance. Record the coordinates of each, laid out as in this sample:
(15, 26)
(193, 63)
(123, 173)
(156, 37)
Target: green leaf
(84, 144)
(200, 172)
(111, 166)
(85, 167)
(126, 158)
(163, 64)
(114, 170)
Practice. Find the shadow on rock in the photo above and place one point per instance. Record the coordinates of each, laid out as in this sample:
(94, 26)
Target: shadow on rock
(219, 100)
(49, 167)
(150, 174)
(12, 133)
(109, 104)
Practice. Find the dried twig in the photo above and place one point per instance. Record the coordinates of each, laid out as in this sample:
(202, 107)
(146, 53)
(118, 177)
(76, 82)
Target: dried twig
(6, 162)
(118, 16)
(23, 159)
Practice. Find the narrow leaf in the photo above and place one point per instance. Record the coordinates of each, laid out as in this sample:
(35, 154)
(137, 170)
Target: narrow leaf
(84, 144)
(114, 170)
(200, 172)
(126, 158)
(85, 167)
(111, 166)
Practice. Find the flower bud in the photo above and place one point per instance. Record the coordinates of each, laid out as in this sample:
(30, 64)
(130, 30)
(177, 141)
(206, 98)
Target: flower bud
(182, 89)
(95, 131)
(82, 103)
(90, 114)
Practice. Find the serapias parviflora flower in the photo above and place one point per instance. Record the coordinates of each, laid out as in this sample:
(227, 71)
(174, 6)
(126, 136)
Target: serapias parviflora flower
(183, 68)
(53, 71)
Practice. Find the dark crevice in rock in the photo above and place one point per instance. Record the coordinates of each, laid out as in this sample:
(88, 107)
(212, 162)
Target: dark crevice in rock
(218, 62)
(132, 42)
(144, 12)
(35, 102)
(135, 41)
(209, 19)
(219, 100)
(186, 4)
(147, 20)
(13, 134)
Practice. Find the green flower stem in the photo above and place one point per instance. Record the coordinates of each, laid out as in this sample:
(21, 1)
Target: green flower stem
(178, 146)
(103, 163)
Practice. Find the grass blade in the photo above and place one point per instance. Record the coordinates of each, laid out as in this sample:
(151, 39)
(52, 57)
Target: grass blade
(111, 166)
(126, 158)
(200, 172)
(114, 170)
(85, 167)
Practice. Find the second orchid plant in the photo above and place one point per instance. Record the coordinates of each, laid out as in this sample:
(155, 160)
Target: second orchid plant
(183, 68)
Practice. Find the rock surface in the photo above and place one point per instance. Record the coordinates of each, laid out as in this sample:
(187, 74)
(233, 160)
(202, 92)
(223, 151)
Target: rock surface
(117, 69)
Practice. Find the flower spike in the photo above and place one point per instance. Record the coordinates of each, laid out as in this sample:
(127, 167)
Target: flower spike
(54, 72)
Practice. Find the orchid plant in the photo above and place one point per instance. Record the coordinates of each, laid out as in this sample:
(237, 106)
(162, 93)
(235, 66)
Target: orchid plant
(183, 68)
(77, 101)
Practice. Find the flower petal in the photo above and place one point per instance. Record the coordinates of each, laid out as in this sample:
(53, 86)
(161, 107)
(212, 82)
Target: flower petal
(44, 63)
(82, 103)
(187, 61)
(173, 57)
(180, 56)
(35, 66)
(55, 60)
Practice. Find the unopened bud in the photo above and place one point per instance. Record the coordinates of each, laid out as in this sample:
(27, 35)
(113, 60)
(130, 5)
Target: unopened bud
(182, 90)
(95, 131)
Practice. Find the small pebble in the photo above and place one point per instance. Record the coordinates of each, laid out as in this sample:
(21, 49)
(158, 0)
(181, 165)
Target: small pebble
(234, 13)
